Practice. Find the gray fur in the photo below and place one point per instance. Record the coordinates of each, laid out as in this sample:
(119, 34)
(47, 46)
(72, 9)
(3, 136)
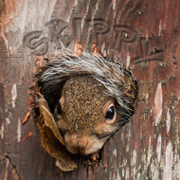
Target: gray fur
(110, 74)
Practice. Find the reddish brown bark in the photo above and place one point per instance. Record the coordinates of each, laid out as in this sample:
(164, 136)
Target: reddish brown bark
(144, 35)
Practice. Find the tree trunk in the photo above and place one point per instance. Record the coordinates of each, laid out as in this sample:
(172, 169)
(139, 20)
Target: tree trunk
(143, 35)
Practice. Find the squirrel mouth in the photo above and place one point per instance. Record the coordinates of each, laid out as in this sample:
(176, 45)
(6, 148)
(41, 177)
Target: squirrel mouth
(83, 145)
(76, 144)
(77, 150)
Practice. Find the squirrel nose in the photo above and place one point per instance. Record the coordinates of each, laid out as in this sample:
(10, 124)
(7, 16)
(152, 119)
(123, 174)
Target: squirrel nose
(78, 142)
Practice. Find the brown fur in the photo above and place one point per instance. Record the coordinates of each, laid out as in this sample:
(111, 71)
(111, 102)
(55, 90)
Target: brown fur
(80, 91)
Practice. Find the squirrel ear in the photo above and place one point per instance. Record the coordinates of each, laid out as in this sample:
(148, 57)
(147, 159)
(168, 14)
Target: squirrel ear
(78, 49)
(95, 49)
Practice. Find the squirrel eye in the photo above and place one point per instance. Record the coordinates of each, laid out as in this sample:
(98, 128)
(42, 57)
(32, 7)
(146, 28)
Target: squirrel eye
(110, 113)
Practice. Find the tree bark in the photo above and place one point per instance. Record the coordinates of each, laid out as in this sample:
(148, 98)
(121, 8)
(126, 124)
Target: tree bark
(143, 35)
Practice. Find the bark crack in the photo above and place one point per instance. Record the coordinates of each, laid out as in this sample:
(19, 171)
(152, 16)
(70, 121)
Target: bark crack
(13, 167)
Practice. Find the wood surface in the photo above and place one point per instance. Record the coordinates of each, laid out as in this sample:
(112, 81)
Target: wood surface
(143, 35)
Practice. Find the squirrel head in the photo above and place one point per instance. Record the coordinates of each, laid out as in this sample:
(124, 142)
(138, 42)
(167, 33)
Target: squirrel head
(86, 116)
(90, 98)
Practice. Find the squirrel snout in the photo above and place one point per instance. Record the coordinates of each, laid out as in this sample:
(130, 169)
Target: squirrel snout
(79, 142)
(76, 143)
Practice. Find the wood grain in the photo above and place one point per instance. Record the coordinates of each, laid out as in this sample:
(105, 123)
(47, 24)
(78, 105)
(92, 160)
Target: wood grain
(143, 35)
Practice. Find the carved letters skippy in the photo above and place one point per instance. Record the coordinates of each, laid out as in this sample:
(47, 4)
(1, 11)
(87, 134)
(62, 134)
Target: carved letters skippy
(80, 102)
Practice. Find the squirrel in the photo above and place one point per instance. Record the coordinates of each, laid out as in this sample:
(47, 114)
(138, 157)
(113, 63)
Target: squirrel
(90, 98)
